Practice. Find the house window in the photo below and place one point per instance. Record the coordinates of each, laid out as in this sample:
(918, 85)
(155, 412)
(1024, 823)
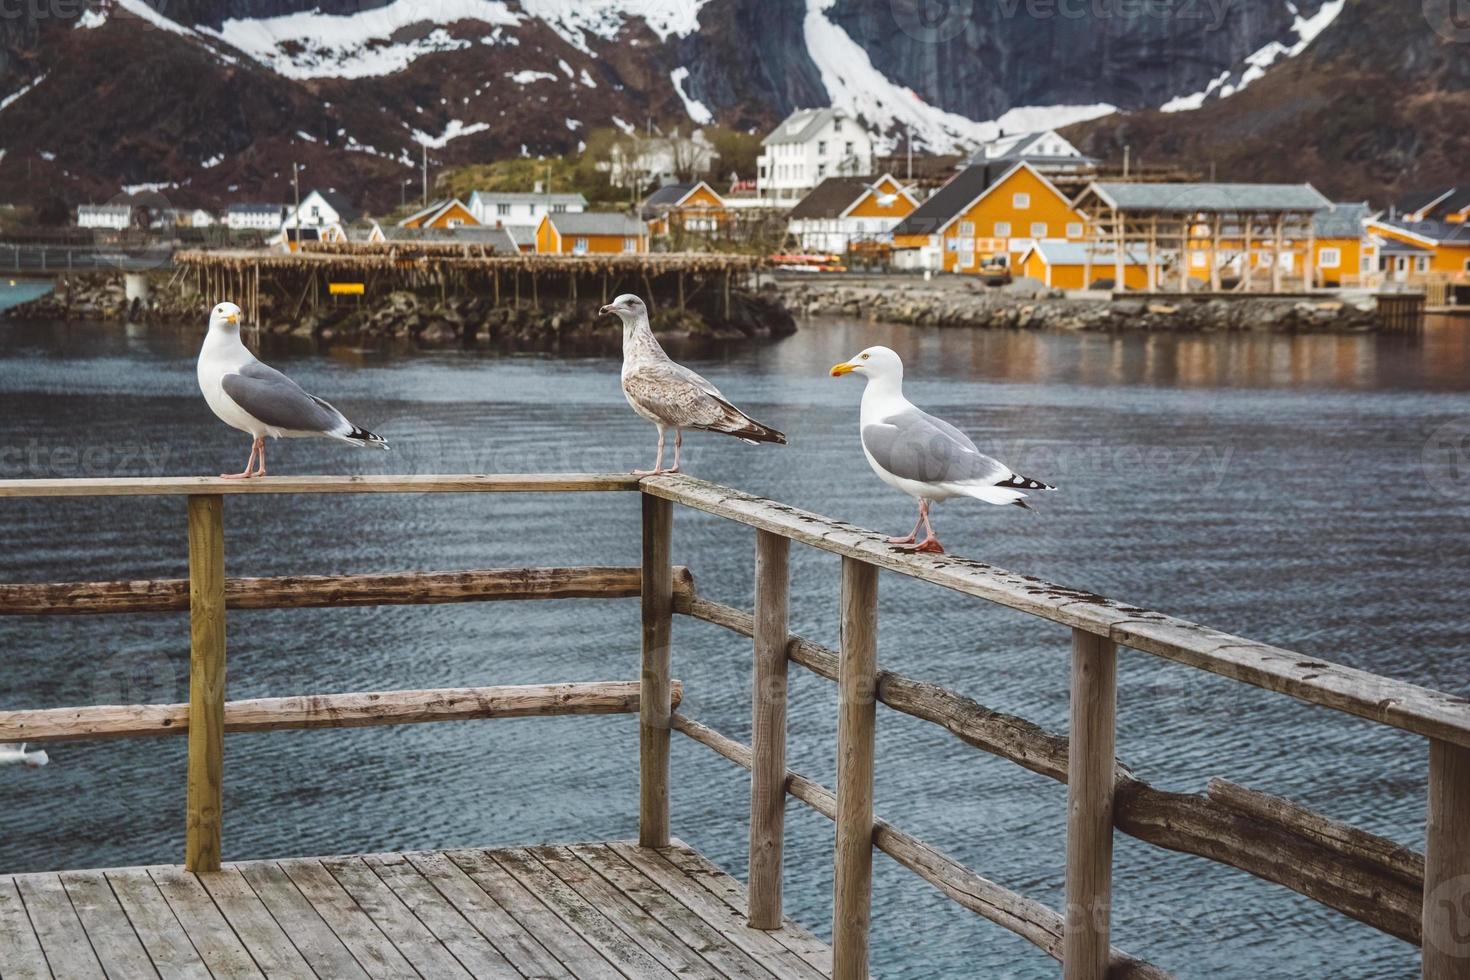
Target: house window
(1421, 263)
(1330, 258)
(847, 147)
(1074, 229)
(1038, 229)
(1020, 200)
(967, 229)
(502, 209)
(1198, 259)
(1002, 229)
(558, 209)
(1366, 264)
(630, 244)
(579, 246)
(821, 170)
(821, 148)
(837, 125)
(531, 208)
(453, 222)
(316, 212)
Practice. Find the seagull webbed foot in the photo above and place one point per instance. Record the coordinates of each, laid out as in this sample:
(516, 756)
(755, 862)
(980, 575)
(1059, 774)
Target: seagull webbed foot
(909, 539)
(930, 545)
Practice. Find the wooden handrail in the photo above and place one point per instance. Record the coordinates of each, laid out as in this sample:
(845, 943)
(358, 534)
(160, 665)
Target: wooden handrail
(352, 710)
(322, 591)
(130, 486)
(1399, 704)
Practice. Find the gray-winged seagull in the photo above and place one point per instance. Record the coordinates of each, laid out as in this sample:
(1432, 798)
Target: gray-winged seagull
(256, 398)
(923, 456)
(670, 395)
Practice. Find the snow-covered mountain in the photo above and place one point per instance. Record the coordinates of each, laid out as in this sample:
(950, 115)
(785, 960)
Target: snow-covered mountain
(212, 99)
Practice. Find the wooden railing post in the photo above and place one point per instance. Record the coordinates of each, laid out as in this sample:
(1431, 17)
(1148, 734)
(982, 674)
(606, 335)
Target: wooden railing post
(655, 708)
(768, 730)
(852, 886)
(206, 682)
(1090, 764)
(1447, 864)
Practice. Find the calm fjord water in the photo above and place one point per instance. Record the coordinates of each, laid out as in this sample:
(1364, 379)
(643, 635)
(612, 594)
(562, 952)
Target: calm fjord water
(1305, 491)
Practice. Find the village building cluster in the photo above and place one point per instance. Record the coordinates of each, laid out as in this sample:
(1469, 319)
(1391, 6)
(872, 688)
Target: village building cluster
(1024, 204)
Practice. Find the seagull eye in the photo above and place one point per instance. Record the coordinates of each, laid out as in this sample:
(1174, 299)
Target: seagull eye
(865, 357)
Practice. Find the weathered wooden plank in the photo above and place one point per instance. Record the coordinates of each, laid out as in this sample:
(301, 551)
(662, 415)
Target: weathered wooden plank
(309, 933)
(1402, 705)
(211, 935)
(20, 951)
(414, 940)
(655, 705)
(1358, 883)
(651, 934)
(852, 887)
(373, 950)
(263, 938)
(1090, 765)
(497, 925)
(474, 952)
(1447, 864)
(768, 729)
(580, 915)
(760, 945)
(355, 710)
(129, 486)
(1028, 919)
(112, 936)
(173, 956)
(659, 904)
(580, 958)
(205, 803)
(60, 932)
(322, 591)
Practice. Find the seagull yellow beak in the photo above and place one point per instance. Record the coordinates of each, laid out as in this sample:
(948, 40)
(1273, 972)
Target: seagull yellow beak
(233, 318)
(838, 370)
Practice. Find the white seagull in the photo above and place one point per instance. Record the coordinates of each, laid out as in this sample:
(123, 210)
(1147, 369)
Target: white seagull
(12, 754)
(256, 398)
(670, 395)
(923, 456)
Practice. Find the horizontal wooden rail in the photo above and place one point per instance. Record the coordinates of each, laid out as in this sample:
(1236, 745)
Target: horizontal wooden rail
(1399, 704)
(315, 591)
(130, 486)
(1368, 878)
(356, 710)
(1029, 919)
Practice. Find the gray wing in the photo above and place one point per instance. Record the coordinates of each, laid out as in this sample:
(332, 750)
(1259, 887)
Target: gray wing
(917, 446)
(678, 396)
(279, 402)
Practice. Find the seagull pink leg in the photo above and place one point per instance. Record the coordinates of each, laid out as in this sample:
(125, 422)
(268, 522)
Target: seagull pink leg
(260, 466)
(930, 543)
(678, 441)
(249, 464)
(914, 534)
(658, 460)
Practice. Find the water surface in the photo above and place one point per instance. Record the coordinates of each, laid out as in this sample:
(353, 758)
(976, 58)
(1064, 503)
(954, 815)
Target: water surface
(1308, 491)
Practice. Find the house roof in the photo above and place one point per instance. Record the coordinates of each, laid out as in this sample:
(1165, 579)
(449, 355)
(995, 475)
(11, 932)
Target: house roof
(802, 125)
(1075, 253)
(433, 211)
(255, 208)
(596, 223)
(928, 218)
(1341, 220)
(1415, 201)
(1127, 196)
(527, 197)
(832, 197)
(670, 196)
(345, 209)
(1437, 232)
(105, 208)
(497, 238)
(1015, 147)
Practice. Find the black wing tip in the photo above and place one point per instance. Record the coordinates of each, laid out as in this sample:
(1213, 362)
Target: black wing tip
(1017, 482)
(367, 438)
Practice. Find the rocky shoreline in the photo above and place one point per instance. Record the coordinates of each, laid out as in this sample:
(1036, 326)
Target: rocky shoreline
(423, 319)
(951, 303)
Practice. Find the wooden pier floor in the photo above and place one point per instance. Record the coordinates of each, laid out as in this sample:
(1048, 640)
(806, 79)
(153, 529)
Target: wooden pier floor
(583, 910)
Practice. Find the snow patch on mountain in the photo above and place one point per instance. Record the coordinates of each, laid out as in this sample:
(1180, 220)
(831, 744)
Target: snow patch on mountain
(698, 111)
(9, 100)
(1229, 82)
(574, 20)
(456, 129)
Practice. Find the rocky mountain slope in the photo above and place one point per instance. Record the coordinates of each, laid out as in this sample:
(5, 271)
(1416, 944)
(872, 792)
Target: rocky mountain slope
(208, 101)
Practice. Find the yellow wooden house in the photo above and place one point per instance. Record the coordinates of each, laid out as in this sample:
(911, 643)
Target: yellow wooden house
(591, 232)
(969, 226)
(843, 213)
(444, 215)
(690, 207)
(1410, 250)
(1066, 265)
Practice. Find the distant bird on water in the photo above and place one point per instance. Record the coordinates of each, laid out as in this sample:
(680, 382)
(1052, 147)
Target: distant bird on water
(670, 395)
(258, 399)
(12, 754)
(920, 455)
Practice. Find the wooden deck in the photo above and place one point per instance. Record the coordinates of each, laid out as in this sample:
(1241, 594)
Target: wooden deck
(583, 910)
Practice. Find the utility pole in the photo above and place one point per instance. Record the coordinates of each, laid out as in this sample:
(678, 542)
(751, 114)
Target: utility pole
(909, 143)
(296, 191)
(425, 147)
(1126, 150)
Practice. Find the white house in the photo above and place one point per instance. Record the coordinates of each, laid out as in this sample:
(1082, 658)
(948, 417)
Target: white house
(115, 216)
(522, 207)
(320, 209)
(256, 217)
(809, 146)
(641, 161)
(1046, 150)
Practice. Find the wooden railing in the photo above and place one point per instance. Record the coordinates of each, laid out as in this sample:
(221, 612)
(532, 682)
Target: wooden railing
(1369, 878)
